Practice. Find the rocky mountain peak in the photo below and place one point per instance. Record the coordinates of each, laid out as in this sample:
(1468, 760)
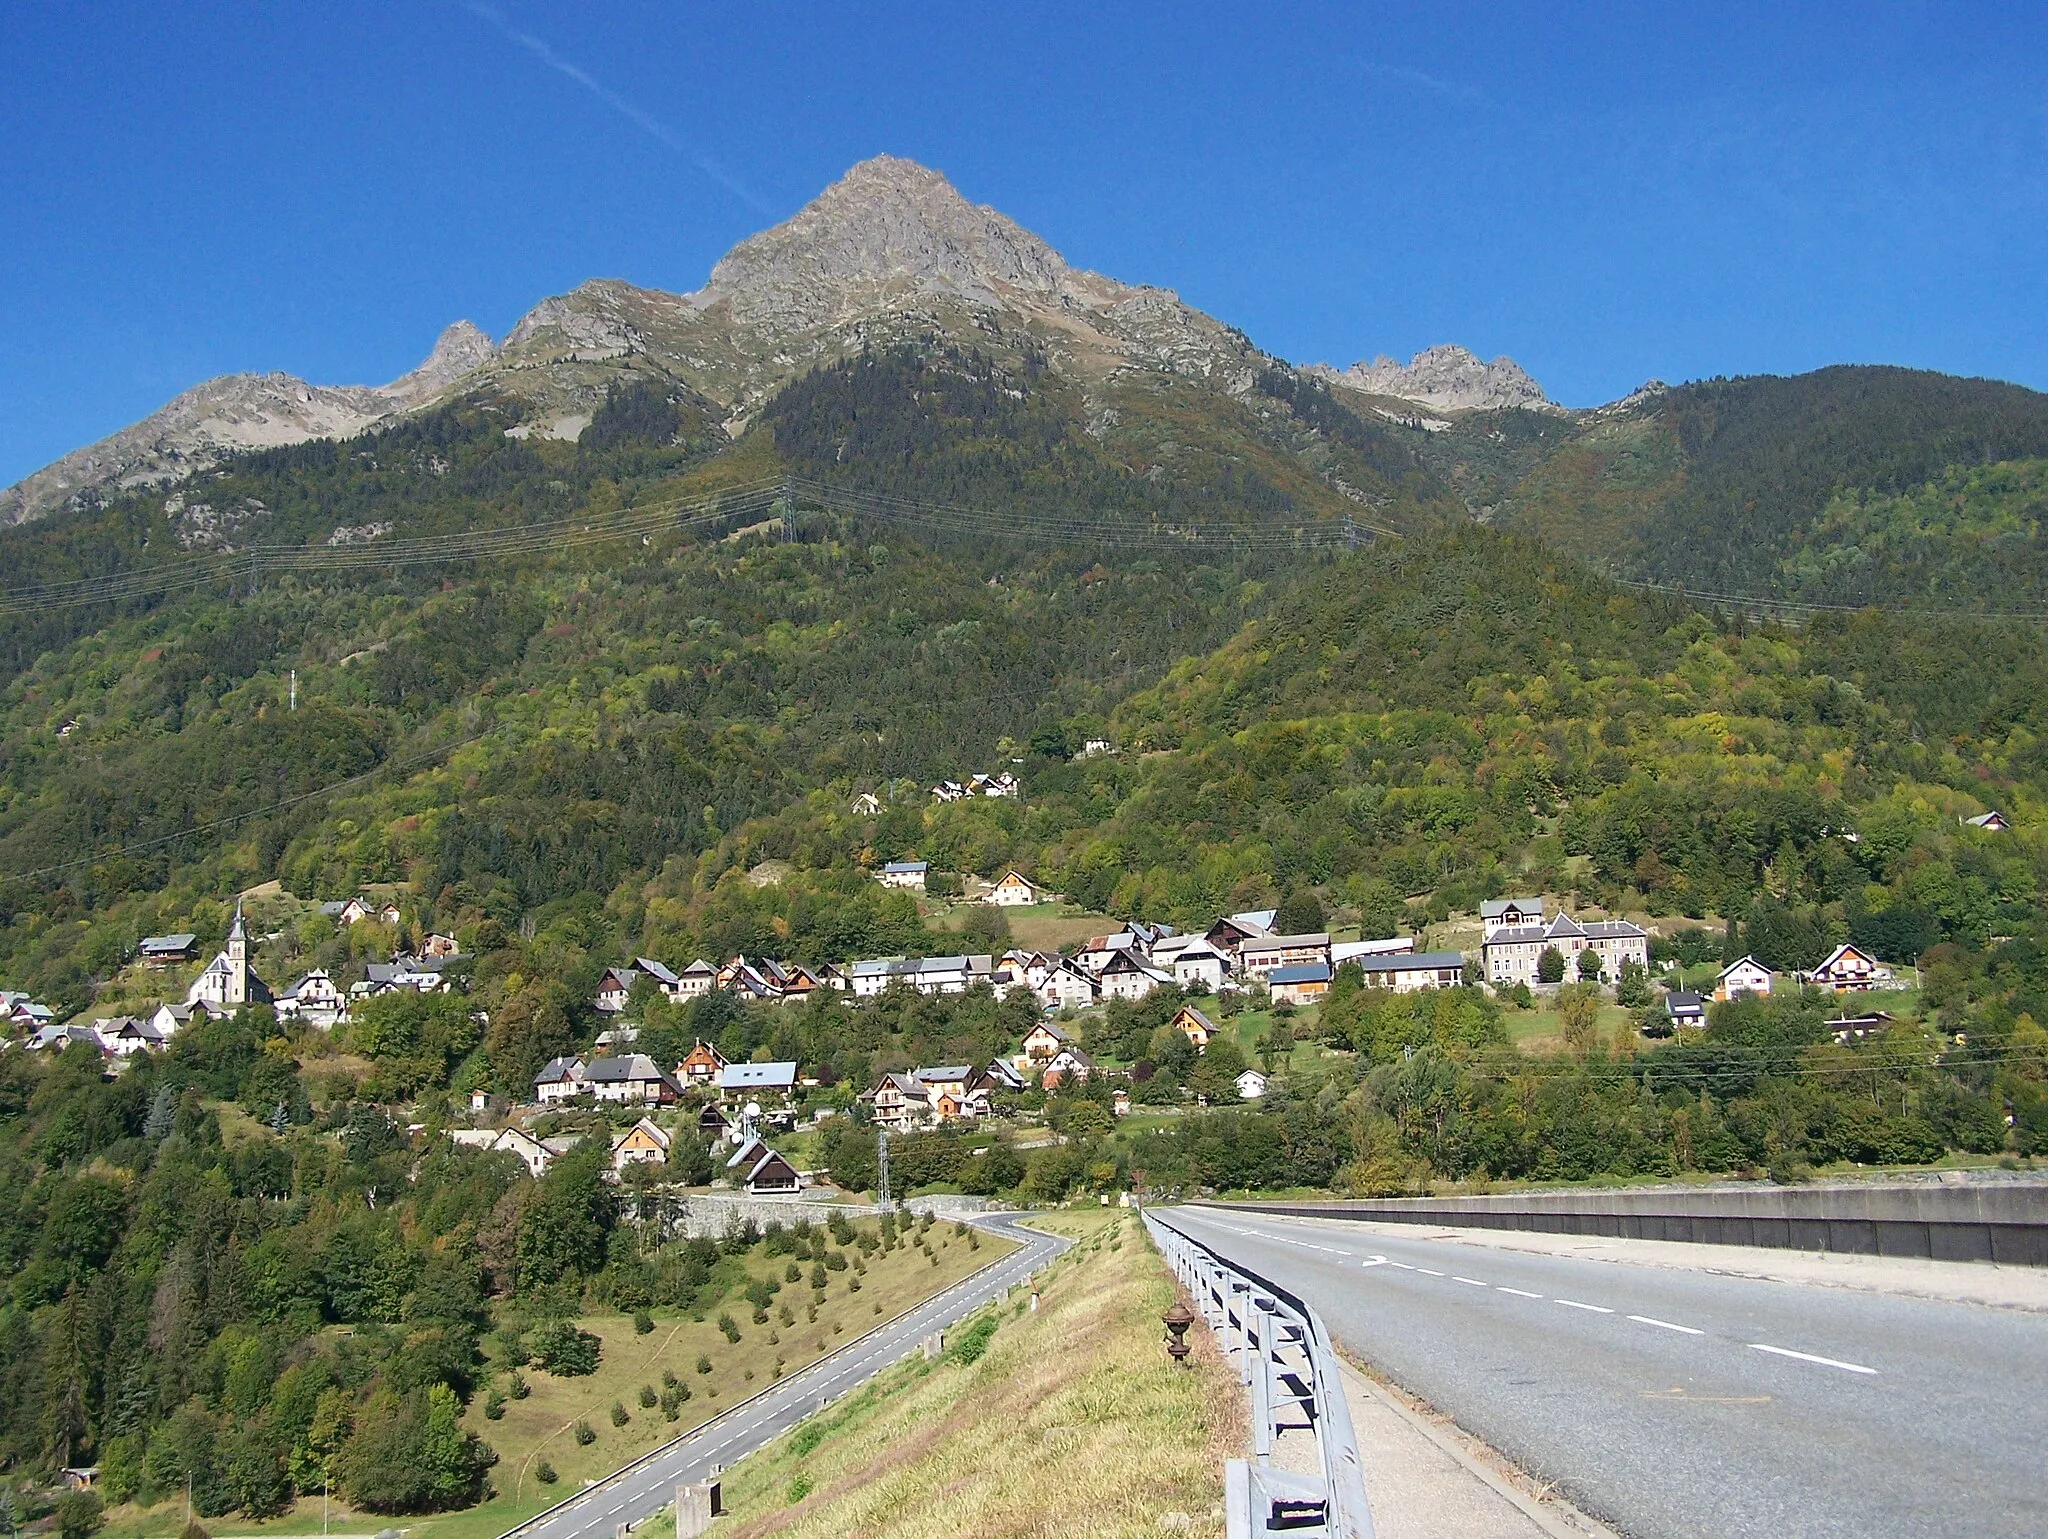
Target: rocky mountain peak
(888, 225)
(459, 349)
(1450, 378)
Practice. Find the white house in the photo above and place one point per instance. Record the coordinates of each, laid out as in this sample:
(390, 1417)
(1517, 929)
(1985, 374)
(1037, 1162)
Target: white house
(907, 874)
(1745, 976)
(1003, 784)
(528, 1150)
(629, 1077)
(1067, 986)
(314, 999)
(1513, 955)
(700, 977)
(1199, 967)
(1127, 975)
(560, 1079)
(1406, 971)
(1509, 913)
(641, 1144)
(1250, 1085)
(867, 805)
(1015, 890)
(1991, 822)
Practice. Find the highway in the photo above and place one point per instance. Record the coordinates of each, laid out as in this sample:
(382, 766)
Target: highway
(1674, 1404)
(649, 1483)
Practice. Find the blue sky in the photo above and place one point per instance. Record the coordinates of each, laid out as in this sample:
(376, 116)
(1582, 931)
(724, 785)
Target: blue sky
(1606, 194)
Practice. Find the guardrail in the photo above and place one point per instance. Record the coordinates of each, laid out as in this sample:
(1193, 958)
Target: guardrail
(1284, 1357)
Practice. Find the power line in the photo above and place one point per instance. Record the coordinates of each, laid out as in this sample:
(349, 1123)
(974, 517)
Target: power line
(1798, 608)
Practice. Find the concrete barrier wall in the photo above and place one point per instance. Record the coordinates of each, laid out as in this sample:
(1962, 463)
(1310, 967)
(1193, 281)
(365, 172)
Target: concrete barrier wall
(714, 1213)
(2001, 1222)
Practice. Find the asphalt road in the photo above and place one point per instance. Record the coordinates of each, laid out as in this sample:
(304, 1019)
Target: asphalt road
(1678, 1403)
(650, 1483)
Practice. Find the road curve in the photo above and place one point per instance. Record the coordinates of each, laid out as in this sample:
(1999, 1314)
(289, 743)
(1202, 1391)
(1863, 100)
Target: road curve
(1677, 1404)
(649, 1482)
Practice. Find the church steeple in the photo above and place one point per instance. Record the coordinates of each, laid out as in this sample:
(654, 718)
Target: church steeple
(238, 959)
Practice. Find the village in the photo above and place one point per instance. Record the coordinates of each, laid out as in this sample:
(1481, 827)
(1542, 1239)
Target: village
(739, 1111)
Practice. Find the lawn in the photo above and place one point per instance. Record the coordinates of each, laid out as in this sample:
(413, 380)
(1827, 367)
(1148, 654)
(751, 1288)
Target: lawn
(1072, 1421)
(542, 1426)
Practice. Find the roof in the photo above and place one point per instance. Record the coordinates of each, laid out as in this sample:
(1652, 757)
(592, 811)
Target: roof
(1255, 918)
(1300, 972)
(906, 867)
(624, 1067)
(179, 942)
(1493, 908)
(742, 1076)
(1741, 961)
(1200, 1019)
(556, 1070)
(1565, 925)
(1289, 942)
(1014, 875)
(1050, 1030)
(947, 1072)
(699, 968)
(1412, 961)
(1691, 1004)
(655, 970)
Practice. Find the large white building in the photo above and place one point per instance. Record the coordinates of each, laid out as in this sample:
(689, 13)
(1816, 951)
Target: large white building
(1514, 952)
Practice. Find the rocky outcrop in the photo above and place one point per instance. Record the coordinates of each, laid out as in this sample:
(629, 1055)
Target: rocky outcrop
(235, 412)
(1448, 378)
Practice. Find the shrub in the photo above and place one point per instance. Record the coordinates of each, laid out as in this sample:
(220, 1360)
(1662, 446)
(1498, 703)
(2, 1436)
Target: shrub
(647, 1397)
(585, 1433)
(730, 1326)
(79, 1514)
(544, 1472)
(835, 1261)
(494, 1406)
(817, 1274)
(620, 1415)
(792, 1272)
(565, 1351)
(703, 1363)
(518, 1389)
(669, 1379)
(971, 1343)
(643, 1323)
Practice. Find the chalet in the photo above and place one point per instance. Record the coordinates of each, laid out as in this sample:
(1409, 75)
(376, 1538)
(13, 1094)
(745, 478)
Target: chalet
(713, 1123)
(167, 950)
(1120, 1103)
(954, 1091)
(1684, 1010)
(560, 1079)
(1229, 934)
(1512, 955)
(313, 999)
(1043, 1043)
(1251, 1085)
(124, 1036)
(1002, 784)
(897, 1101)
(641, 1144)
(750, 980)
(1854, 1028)
(402, 973)
(700, 977)
(1360, 951)
(949, 791)
(1848, 967)
(1302, 983)
(762, 1171)
(616, 1036)
(753, 1081)
(1198, 966)
(1194, 1025)
(629, 1077)
(1258, 956)
(437, 945)
(1016, 890)
(701, 1065)
(867, 805)
(58, 1038)
(1405, 972)
(1744, 976)
(1509, 914)
(1003, 1077)
(348, 911)
(1991, 822)
(615, 988)
(907, 874)
(1068, 1063)
(170, 1019)
(928, 975)
(1127, 975)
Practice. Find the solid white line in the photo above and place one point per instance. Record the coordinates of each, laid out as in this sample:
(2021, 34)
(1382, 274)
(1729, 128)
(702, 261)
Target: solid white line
(1470, 1282)
(1598, 1309)
(1666, 1325)
(1521, 1293)
(1808, 1357)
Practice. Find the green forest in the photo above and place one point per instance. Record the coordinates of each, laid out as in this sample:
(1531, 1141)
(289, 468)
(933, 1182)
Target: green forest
(232, 1263)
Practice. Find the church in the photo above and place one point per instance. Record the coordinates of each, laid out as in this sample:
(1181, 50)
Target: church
(228, 983)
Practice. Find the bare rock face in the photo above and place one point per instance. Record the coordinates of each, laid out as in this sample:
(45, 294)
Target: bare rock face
(1451, 379)
(195, 430)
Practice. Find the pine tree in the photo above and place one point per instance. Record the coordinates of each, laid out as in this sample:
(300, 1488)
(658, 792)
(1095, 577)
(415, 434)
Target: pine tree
(163, 1111)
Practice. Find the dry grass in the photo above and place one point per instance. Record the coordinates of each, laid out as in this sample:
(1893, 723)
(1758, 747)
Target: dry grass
(1073, 1423)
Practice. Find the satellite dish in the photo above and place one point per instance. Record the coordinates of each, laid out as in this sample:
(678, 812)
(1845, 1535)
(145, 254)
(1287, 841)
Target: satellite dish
(752, 1109)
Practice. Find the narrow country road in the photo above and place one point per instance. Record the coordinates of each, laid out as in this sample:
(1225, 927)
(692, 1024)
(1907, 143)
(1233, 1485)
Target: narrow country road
(650, 1482)
(1678, 1404)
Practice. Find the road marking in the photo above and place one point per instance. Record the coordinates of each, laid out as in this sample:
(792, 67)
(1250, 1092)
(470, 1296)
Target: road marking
(1404, 1266)
(1808, 1357)
(1597, 1309)
(1470, 1282)
(1522, 1293)
(1371, 1261)
(1666, 1325)
(1426, 1272)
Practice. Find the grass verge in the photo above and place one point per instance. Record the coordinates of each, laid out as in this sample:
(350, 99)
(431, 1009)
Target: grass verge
(1069, 1421)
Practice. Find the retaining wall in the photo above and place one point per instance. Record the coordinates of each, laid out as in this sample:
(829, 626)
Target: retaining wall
(2001, 1222)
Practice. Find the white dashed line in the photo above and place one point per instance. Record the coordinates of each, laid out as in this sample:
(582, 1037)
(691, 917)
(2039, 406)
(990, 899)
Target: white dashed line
(1596, 1309)
(1426, 1272)
(1808, 1357)
(1470, 1282)
(1666, 1325)
(1522, 1293)
(1404, 1266)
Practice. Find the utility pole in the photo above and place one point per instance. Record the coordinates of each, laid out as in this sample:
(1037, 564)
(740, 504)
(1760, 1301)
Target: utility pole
(295, 689)
(881, 1167)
